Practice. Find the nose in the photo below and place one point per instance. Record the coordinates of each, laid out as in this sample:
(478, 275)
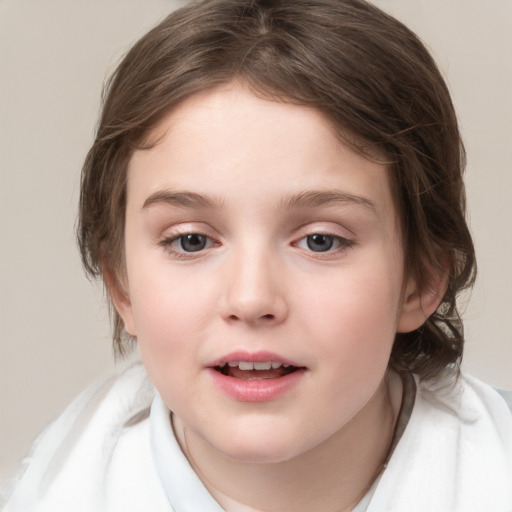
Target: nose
(253, 291)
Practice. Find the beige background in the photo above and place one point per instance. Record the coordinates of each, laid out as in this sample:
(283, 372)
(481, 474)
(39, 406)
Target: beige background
(54, 56)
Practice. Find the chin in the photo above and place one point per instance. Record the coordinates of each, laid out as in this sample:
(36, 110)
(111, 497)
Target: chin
(262, 449)
(254, 456)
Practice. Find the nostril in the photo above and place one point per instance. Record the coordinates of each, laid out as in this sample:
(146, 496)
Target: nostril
(268, 316)
(253, 309)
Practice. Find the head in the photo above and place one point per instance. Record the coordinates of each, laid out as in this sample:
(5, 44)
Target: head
(370, 78)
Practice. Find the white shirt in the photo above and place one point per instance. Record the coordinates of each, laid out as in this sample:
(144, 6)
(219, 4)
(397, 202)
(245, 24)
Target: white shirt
(113, 450)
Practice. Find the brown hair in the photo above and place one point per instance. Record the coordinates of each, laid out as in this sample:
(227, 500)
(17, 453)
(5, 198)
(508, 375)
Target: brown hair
(368, 73)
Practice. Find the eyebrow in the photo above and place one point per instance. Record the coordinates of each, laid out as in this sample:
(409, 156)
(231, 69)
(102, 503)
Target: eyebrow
(183, 199)
(315, 199)
(306, 199)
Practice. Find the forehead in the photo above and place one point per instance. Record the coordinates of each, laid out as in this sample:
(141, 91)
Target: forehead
(230, 144)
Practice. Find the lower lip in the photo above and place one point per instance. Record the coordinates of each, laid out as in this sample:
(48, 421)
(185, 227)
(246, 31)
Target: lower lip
(263, 390)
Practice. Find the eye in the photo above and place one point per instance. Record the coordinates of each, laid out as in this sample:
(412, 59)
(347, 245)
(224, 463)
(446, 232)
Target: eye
(192, 242)
(187, 243)
(321, 242)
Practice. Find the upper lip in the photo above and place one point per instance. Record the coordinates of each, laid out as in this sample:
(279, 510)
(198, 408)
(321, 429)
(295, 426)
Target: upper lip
(254, 357)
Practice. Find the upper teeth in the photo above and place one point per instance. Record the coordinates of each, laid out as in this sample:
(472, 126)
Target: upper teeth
(248, 365)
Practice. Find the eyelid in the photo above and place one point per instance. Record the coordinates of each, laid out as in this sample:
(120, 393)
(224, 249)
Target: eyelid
(333, 229)
(173, 234)
(176, 233)
(187, 228)
(345, 242)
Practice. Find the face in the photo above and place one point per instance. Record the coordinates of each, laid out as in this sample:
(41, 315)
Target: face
(264, 273)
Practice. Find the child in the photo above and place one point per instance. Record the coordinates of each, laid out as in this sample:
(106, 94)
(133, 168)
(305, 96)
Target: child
(274, 201)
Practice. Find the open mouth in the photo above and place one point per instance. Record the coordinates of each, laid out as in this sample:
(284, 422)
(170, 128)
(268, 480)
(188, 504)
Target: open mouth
(248, 370)
(256, 377)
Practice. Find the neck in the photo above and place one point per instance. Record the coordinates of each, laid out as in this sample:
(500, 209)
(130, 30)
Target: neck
(331, 477)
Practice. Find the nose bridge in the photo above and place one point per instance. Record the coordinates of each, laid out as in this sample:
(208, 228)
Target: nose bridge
(254, 290)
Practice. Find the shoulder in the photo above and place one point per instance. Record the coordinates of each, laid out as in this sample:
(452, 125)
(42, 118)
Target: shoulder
(458, 442)
(488, 401)
(464, 392)
(479, 408)
(507, 396)
(70, 463)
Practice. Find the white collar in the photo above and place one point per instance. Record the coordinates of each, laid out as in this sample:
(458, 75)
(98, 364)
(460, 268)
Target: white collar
(184, 489)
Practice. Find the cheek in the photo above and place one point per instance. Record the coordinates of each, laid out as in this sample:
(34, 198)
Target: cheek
(169, 334)
(170, 316)
(175, 314)
(354, 314)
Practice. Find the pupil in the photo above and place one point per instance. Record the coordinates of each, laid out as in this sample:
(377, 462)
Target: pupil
(193, 242)
(320, 243)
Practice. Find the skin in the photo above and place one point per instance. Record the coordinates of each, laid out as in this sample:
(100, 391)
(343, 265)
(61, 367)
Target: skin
(258, 286)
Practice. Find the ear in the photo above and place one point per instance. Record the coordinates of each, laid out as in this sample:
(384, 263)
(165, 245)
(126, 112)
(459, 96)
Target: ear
(420, 303)
(119, 293)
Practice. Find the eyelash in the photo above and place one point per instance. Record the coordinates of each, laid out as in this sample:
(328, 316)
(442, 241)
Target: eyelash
(342, 243)
(167, 244)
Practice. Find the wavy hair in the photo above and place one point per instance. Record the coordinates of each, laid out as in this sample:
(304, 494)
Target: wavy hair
(364, 70)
